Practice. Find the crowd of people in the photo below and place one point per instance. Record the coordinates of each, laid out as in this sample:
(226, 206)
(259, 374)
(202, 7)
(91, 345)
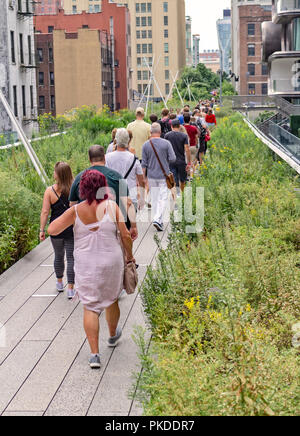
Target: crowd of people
(94, 215)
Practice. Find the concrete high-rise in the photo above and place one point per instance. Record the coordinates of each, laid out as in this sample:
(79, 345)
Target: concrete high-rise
(196, 50)
(17, 63)
(224, 37)
(189, 48)
(250, 74)
(158, 40)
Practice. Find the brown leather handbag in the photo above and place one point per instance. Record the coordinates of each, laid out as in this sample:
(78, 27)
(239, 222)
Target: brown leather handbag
(169, 177)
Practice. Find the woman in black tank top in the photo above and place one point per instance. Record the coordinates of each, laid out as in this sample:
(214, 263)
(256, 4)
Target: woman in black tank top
(56, 200)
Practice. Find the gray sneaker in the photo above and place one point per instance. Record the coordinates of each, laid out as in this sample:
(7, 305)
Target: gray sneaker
(70, 293)
(94, 362)
(113, 341)
(60, 286)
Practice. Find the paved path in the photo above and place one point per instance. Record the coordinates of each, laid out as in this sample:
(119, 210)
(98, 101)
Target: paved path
(43, 365)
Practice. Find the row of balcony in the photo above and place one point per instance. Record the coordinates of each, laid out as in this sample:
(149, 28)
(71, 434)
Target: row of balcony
(281, 47)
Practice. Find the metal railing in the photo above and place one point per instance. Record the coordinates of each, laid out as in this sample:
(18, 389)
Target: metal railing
(285, 139)
(252, 102)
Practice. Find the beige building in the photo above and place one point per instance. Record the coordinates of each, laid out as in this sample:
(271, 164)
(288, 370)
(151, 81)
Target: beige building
(77, 65)
(158, 38)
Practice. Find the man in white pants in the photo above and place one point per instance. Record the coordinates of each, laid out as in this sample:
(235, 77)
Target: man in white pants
(153, 171)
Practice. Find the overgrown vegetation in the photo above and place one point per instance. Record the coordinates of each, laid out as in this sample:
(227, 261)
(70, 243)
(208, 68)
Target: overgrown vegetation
(21, 190)
(223, 306)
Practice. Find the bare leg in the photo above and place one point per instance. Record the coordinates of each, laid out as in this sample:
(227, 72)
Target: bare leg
(91, 327)
(112, 314)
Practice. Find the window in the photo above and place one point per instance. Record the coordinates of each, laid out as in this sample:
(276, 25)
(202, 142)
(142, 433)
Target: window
(50, 54)
(138, 22)
(23, 101)
(149, 7)
(15, 101)
(50, 29)
(51, 76)
(251, 29)
(149, 34)
(140, 88)
(138, 34)
(149, 21)
(144, 34)
(145, 75)
(264, 89)
(29, 50)
(138, 48)
(167, 88)
(52, 102)
(166, 47)
(264, 69)
(139, 61)
(165, 6)
(251, 69)
(166, 20)
(144, 21)
(97, 8)
(167, 74)
(137, 7)
(139, 75)
(166, 33)
(41, 78)
(31, 98)
(149, 48)
(40, 54)
(143, 7)
(251, 50)
(166, 61)
(144, 48)
(74, 10)
(41, 102)
(12, 46)
(251, 89)
(21, 49)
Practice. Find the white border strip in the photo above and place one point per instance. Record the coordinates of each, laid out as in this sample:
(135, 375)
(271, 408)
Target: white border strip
(273, 147)
(16, 144)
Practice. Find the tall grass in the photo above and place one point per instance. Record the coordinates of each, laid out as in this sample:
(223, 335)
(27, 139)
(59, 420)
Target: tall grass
(222, 304)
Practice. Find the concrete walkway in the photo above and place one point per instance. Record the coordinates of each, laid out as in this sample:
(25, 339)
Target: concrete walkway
(44, 360)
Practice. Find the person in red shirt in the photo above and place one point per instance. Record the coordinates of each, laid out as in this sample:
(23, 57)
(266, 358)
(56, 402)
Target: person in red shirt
(193, 134)
(210, 119)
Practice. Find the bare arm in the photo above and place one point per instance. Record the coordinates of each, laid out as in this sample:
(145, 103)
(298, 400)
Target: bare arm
(45, 213)
(188, 153)
(124, 232)
(62, 223)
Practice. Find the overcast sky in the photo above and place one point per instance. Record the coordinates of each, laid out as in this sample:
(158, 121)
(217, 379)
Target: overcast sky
(204, 15)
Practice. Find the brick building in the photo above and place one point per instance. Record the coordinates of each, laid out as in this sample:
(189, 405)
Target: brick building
(247, 65)
(113, 22)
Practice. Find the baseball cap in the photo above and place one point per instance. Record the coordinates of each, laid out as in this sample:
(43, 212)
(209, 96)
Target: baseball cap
(140, 110)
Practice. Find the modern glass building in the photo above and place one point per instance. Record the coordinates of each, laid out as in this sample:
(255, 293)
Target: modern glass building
(224, 36)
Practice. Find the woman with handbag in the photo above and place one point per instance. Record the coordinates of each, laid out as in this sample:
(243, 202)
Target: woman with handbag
(56, 200)
(102, 240)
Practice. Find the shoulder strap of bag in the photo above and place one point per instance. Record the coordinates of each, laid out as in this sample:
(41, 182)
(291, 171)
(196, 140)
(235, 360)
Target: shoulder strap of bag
(131, 168)
(157, 157)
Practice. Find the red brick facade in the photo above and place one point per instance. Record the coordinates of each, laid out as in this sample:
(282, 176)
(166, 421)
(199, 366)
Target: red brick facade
(99, 21)
(253, 79)
(45, 73)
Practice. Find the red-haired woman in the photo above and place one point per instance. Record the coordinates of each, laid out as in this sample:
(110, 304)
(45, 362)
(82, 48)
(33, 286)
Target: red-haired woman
(99, 261)
(56, 200)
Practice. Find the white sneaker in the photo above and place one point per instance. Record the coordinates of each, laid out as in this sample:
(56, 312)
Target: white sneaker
(70, 293)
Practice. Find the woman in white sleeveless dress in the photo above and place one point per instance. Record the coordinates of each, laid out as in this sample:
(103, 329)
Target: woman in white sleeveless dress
(98, 257)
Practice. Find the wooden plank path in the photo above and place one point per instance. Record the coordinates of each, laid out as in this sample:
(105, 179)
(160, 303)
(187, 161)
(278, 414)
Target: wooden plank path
(44, 360)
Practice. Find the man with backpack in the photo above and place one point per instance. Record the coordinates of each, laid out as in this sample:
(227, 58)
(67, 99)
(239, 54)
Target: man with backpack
(165, 122)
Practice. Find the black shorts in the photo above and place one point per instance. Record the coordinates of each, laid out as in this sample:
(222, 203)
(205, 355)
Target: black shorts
(179, 172)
